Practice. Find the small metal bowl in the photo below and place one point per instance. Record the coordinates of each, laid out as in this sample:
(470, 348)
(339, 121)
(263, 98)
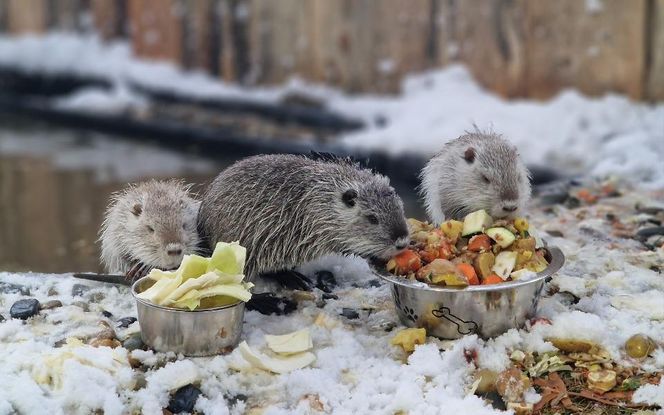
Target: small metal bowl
(193, 333)
(487, 310)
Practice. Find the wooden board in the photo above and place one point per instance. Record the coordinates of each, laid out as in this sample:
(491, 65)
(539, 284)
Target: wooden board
(595, 49)
(109, 17)
(27, 16)
(655, 72)
(156, 29)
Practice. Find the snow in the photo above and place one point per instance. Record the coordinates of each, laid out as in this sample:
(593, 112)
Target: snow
(356, 369)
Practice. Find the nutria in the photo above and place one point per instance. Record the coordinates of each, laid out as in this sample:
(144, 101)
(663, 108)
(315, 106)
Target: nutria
(288, 210)
(476, 171)
(149, 225)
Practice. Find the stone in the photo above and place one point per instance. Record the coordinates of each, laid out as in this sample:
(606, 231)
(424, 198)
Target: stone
(78, 290)
(107, 314)
(81, 304)
(133, 342)
(325, 281)
(10, 288)
(184, 399)
(51, 304)
(125, 322)
(24, 309)
(350, 314)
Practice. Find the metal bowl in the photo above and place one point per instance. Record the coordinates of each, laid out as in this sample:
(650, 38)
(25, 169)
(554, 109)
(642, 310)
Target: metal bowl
(193, 333)
(487, 310)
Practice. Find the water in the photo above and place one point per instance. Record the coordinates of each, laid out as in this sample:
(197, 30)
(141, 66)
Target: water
(55, 184)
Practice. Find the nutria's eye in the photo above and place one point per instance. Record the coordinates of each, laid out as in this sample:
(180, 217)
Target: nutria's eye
(486, 179)
(349, 197)
(372, 219)
(150, 229)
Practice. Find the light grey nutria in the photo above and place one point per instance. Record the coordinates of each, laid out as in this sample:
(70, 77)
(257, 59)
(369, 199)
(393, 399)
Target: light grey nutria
(149, 225)
(288, 210)
(475, 171)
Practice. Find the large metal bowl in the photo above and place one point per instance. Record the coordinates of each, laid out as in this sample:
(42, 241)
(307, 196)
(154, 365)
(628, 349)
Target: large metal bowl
(487, 310)
(193, 333)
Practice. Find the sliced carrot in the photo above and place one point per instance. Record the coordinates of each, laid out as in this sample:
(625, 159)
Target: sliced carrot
(492, 279)
(407, 261)
(469, 272)
(479, 243)
(445, 250)
(428, 255)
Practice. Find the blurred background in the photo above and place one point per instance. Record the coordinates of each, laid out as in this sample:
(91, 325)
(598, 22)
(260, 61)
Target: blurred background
(98, 93)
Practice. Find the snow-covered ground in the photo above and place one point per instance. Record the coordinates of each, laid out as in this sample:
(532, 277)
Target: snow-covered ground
(357, 371)
(603, 136)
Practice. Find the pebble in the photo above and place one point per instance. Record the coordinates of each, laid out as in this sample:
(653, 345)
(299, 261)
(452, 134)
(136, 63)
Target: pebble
(107, 333)
(106, 314)
(325, 281)
(81, 304)
(350, 314)
(2, 318)
(139, 381)
(126, 322)
(51, 304)
(555, 233)
(24, 309)
(78, 290)
(9, 288)
(655, 241)
(133, 342)
(554, 198)
(52, 292)
(327, 296)
(645, 233)
(650, 210)
(112, 343)
(572, 202)
(184, 399)
(97, 297)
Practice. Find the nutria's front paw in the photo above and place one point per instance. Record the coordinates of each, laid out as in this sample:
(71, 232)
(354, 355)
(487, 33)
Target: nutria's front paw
(290, 279)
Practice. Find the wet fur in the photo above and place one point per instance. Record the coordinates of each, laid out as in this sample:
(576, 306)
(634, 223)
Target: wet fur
(288, 210)
(166, 206)
(452, 187)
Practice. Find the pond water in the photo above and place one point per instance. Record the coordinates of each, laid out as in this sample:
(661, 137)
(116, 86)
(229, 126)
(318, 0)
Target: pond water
(55, 184)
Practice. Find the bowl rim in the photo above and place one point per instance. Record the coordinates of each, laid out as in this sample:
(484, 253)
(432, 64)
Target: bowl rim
(134, 292)
(556, 263)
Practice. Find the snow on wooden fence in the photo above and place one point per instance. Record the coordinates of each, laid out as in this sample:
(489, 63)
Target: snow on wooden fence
(517, 48)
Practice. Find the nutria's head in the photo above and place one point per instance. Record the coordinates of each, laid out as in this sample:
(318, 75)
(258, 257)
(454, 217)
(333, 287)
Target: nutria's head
(160, 223)
(476, 171)
(371, 218)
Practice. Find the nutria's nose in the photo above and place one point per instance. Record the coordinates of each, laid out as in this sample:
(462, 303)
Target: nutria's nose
(175, 252)
(509, 208)
(401, 245)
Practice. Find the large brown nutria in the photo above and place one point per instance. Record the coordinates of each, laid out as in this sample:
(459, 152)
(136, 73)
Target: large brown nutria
(288, 210)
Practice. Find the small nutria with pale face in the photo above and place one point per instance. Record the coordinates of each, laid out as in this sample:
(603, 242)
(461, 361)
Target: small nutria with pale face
(476, 171)
(288, 210)
(149, 225)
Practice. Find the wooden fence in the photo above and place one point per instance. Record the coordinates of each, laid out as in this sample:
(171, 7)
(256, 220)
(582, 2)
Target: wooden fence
(517, 48)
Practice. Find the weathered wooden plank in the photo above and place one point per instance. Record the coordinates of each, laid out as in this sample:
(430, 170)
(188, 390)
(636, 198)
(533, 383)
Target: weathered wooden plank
(596, 47)
(487, 36)
(67, 14)
(655, 71)
(157, 29)
(27, 16)
(109, 17)
(198, 25)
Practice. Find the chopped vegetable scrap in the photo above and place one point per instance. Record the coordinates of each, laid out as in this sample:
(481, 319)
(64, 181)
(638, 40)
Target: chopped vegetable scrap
(477, 251)
(201, 283)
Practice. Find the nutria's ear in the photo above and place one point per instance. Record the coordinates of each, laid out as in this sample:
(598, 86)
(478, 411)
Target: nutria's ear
(349, 197)
(469, 155)
(137, 209)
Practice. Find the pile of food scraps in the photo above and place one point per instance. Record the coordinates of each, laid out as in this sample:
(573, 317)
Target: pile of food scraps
(479, 250)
